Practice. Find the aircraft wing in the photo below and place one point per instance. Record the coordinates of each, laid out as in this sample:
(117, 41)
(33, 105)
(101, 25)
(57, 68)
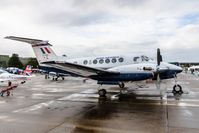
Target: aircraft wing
(80, 70)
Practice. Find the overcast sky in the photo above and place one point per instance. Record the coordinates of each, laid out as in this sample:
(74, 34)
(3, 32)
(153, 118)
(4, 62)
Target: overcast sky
(81, 28)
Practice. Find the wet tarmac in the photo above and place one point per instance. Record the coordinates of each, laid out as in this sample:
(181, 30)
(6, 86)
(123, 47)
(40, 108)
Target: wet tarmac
(71, 106)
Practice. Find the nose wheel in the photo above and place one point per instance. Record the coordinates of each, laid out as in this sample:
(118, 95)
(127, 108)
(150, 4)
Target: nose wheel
(177, 89)
(102, 93)
(121, 85)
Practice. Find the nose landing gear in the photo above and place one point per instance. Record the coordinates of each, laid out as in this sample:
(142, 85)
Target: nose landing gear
(177, 89)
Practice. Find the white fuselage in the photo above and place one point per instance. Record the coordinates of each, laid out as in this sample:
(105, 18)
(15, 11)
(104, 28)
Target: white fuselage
(5, 76)
(107, 62)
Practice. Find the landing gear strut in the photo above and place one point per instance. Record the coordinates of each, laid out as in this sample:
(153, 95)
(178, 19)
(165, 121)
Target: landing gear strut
(102, 93)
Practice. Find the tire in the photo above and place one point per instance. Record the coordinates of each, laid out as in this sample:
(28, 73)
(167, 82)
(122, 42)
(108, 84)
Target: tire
(121, 85)
(123, 91)
(177, 89)
(102, 93)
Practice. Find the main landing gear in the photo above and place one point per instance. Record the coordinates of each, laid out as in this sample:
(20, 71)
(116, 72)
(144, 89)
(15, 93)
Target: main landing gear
(56, 78)
(102, 92)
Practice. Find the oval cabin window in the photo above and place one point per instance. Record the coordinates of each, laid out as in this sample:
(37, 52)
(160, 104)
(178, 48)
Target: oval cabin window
(101, 61)
(85, 62)
(107, 60)
(121, 59)
(114, 60)
(94, 61)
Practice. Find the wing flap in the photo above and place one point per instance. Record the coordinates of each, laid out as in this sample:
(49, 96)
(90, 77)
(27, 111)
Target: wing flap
(80, 70)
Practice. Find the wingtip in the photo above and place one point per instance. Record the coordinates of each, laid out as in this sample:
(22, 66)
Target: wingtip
(6, 37)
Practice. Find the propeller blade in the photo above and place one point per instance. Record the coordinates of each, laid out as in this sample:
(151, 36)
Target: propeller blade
(159, 57)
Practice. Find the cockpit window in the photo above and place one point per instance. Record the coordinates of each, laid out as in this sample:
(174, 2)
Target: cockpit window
(141, 58)
(145, 58)
(136, 59)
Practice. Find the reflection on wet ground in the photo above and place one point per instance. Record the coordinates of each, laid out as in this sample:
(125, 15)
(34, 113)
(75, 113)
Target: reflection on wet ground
(71, 106)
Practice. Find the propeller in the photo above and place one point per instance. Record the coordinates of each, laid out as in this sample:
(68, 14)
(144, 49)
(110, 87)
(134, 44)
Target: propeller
(159, 60)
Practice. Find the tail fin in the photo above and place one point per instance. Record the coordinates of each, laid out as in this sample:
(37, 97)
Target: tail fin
(42, 49)
(28, 70)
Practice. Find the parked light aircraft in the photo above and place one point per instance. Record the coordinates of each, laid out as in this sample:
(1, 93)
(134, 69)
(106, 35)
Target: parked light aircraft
(110, 70)
(8, 77)
(193, 68)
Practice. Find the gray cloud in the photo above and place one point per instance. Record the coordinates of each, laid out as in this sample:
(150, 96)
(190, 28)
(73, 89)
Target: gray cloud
(70, 19)
(105, 27)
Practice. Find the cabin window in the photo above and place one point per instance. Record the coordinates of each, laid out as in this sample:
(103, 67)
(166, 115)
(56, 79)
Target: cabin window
(107, 60)
(114, 60)
(121, 59)
(94, 61)
(85, 62)
(101, 61)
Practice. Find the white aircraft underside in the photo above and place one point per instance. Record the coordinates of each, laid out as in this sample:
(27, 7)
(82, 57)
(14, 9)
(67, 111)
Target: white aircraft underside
(5, 76)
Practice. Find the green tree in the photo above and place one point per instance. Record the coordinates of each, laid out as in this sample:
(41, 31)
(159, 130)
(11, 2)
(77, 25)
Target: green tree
(33, 62)
(15, 62)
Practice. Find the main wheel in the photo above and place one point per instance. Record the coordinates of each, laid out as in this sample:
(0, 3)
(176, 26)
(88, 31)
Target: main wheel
(123, 91)
(62, 78)
(102, 92)
(177, 89)
(121, 85)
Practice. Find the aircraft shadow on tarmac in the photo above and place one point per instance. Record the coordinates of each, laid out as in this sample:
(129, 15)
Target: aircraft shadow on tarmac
(95, 119)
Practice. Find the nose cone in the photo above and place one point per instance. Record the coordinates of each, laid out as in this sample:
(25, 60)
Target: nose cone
(177, 69)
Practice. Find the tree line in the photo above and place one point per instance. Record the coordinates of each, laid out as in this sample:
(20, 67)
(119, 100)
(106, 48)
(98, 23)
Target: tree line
(14, 61)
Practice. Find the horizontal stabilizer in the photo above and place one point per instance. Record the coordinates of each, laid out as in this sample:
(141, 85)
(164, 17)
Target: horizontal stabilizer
(28, 40)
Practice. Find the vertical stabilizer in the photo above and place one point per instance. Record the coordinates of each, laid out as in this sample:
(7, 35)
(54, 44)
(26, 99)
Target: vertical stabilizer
(41, 48)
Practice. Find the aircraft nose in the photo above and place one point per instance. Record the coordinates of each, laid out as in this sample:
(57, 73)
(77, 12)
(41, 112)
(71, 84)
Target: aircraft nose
(178, 69)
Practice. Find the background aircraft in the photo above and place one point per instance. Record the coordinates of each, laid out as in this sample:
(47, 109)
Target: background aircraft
(193, 69)
(113, 70)
(9, 77)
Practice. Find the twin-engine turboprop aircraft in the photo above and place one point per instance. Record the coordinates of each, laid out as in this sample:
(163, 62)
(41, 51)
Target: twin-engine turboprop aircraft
(111, 70)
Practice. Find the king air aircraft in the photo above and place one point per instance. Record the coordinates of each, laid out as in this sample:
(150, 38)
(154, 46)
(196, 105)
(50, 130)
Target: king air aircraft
(112, 70)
